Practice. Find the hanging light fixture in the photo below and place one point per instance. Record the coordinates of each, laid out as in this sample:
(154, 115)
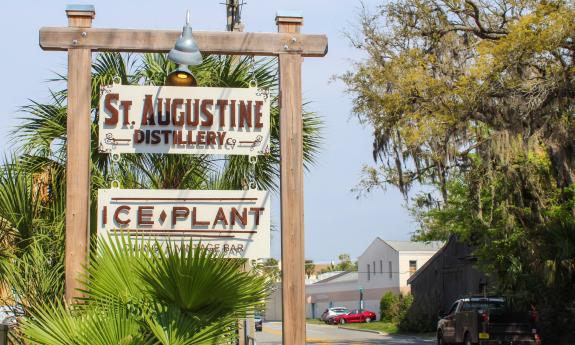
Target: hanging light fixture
(185, 53)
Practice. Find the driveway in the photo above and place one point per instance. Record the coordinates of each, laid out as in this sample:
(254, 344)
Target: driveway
(331, 335)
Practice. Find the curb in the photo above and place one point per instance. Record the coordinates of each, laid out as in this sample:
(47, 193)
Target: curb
(363, 330)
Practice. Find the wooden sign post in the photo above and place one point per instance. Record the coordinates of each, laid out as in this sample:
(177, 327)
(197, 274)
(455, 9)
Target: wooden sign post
(78, 151)
(289, 45)
(291, 172)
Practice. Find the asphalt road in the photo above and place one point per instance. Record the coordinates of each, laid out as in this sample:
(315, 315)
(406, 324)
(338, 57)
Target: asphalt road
(331, 335)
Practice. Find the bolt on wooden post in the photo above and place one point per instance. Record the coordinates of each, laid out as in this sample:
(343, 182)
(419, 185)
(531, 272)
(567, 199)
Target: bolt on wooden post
(78, 152)
(291, 161)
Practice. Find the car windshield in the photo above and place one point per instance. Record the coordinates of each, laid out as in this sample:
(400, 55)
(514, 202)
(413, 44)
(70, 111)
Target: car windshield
(483, 305)
(340, 310)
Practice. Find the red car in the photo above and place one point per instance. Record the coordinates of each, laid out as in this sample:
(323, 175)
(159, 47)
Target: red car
(354, 316)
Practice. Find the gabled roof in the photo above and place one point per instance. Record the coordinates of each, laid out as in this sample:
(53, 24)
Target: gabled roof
(406, 246)
(409, 246)
(341, 277)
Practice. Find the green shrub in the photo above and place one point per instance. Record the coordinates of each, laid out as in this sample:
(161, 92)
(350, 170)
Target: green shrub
(411, 320)
(387, 306)
(404, 303)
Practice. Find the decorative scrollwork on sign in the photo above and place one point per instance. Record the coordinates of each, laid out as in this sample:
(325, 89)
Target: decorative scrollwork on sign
(265, 93)
(252, 143)
(230, 143)
(115, 141)
(105, 89)
(256, 142)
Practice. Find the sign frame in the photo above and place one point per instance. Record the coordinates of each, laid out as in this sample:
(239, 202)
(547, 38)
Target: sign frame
(235, 222)
(184, 120)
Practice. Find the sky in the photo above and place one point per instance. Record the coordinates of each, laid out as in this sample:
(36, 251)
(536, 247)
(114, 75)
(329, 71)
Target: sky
(336, 221)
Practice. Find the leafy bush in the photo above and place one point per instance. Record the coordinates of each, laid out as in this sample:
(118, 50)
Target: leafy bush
(404, 303)
(417, 322)
(386, 306)
(393, 308)
(412, 320)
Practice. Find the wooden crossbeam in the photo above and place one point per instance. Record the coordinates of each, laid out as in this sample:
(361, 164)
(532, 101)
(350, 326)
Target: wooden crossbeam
(161, 41)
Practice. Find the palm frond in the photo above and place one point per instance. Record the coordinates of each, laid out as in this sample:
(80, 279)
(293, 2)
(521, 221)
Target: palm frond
(43, 130)
(19, 203)
(56, 324)
(111, 280)
(108, 66)
(36, 276)
(170, 325)
(164, 171)
(200, 281)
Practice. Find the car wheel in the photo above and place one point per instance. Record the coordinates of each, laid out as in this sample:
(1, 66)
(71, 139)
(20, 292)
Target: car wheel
(440, 338)
(342, 321)
(467, 339)
(368, 319)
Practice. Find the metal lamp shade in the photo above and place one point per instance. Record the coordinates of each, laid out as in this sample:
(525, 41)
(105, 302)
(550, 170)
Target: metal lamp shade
(186, 51)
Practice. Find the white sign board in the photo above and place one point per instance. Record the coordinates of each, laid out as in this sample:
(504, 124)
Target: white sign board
(236, 223)
(190, 120)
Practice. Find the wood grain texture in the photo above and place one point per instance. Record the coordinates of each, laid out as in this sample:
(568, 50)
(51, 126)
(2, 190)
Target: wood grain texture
(228, 43)
(292, 211)
(78, 162)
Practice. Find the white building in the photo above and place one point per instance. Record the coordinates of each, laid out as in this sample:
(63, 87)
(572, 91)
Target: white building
(387, 265)
(383, 266)
(340, 290)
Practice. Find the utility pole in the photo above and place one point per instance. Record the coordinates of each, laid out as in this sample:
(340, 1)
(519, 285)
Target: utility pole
(234, 12)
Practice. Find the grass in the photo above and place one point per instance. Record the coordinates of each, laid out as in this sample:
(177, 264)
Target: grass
(386, 327)
(380, 326)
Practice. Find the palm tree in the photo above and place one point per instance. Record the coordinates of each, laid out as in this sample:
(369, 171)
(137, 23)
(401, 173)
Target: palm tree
(309, 268)
(169, 295)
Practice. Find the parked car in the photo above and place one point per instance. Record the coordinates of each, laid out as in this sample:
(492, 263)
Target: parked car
(354, 316)
(487, 321)
(331, 312)
(258, 322)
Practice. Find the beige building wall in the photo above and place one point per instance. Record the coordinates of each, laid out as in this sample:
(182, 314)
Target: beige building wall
(404, 258)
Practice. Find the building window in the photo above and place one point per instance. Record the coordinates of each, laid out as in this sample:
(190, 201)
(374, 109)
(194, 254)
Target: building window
(381, 266)
(390, 270)
(412, 266)
(368, 272)
(374, 268)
